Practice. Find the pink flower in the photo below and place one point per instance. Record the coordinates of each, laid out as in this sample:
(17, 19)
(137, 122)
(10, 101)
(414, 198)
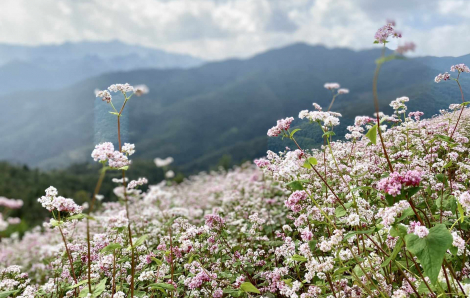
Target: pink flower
(293, 202)
(331, 86)
(393, 184)
(282, 125)
(442, 77)
(385, 32)
(460, 68)
(408, 46)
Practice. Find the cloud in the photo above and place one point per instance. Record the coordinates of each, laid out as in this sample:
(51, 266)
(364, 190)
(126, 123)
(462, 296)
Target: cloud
(217, 29)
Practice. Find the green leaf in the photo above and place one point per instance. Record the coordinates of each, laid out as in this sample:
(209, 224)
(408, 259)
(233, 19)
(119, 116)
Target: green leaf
(312, 160)
(372, 134)
(162, 285)
(442, 178)
(328, 134)
(114, 113)
(466, 103)
(449, 164)
(431, 249)
(76, 216)
(248, 287)
(99, 288)
(340, 211)
(405, 214)
(55, 223)
(398, 230)
(125, 168)
(295, 185)
(140, 240)
(78, 284)
(159, 263)
(412, 191)
(7, 294)
(444, 138)
(312, 244)
(307, 165)
(341, 270)
(293, 132)
(299, 258)
(110, 247)
(394, 254)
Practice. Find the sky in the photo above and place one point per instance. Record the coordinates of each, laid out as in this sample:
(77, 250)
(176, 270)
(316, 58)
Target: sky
(220, 29)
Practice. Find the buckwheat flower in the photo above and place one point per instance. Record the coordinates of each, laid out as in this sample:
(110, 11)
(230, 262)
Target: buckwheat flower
(53, 202)
(460, 68)
(14, 220)
(11, 203)
(353, 219)
(3, 223)
(459, 243)
(121, 88)
(331, 86)
(104, 95)
(102, 151)
(302, 115)
(99, 197)
(417, 115)
(128, 149)
(408, 46)
(294, 200)
(385, 32)
(274, 131)
(421, 231)
(455, 106)
(282, 125)
(120, 180)
(118, 160)
(135, 183)
(120, 294)
(140, 90)
(163, 162)
(442, 77)
(316, 106)
(213, 220)
(306, 234)
(343, 91)
(170, 174)
(464, 200)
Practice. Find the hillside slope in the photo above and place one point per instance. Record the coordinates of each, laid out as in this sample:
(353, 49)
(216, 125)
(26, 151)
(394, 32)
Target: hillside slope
(198, 115)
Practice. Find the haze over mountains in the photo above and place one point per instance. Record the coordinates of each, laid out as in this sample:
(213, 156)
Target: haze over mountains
(199, 114)
(56, 66)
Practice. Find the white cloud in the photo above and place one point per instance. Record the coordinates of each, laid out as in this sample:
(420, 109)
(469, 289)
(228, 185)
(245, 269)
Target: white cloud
(217, 29)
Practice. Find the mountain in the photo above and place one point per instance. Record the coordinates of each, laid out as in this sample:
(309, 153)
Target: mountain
(220, 109)
(57, 66)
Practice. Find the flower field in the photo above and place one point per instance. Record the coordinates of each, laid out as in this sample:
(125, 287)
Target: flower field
(380, 212)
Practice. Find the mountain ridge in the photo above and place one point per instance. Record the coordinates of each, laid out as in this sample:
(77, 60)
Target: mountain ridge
(200, 114)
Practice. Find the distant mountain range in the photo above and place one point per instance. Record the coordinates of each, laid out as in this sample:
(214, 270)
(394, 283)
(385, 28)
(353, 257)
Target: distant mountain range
(200, 114)
(56, 66)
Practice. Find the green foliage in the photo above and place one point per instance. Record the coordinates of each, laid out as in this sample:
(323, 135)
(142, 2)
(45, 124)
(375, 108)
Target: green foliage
(248, 287)
(372, 134)
(431, 249)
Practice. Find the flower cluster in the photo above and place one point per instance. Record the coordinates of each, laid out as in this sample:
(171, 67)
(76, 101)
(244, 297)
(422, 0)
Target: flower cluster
(10, 203)
(385, 32)
(282, 126)
(393, 184)
(53, 202)
(105, 152)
